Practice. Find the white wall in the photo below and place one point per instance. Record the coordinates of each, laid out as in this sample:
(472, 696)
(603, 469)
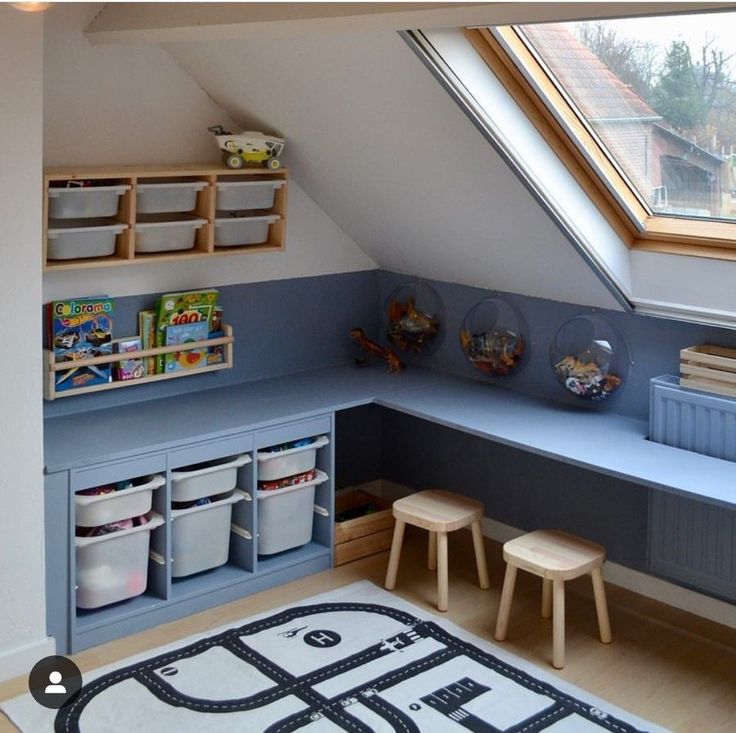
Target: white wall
(22, 608)
(686, 288)
(135, 104)
(385, 151)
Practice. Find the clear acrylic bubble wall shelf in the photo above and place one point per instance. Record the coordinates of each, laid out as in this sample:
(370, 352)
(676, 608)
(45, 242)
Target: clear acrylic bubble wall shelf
(494, 337)
(415, 318)
(590, 357)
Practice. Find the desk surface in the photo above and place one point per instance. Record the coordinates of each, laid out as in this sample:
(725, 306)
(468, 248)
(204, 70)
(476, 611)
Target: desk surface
(600, 441)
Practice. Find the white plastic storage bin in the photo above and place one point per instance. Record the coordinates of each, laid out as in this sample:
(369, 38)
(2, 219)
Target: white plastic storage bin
(285, 516)
(232, 231)
(279, 464)
(75, 238)
(157, 198)
(94, 511)
(113, 567)
(245, 195)
(200, 536)
(206, 479)
(165, 232)
(84, 202)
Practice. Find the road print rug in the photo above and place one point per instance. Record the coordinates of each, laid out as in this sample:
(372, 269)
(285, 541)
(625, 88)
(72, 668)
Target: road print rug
(356, 659)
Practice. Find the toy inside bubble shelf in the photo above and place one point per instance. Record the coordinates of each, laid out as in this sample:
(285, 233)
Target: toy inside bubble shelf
(248, 148)
(588, 375)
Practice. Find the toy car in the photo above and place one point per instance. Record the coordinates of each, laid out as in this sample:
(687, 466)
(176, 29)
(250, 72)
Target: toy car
(66, 339)
(248, 148)
(98, 336)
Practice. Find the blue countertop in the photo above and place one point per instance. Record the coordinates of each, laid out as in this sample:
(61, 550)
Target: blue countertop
(598, 440)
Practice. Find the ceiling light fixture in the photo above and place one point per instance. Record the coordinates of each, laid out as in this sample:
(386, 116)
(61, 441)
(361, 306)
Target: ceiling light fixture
(32, 7)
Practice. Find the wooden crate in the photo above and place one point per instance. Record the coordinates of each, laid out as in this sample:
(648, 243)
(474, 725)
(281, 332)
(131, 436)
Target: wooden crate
(709, 368)
(362, 536)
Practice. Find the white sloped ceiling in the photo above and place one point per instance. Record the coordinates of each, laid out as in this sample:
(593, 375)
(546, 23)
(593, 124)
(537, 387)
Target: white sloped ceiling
(382, 148)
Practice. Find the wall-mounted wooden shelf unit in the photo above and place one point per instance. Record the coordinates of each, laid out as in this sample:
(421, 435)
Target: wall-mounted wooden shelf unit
(259, 226)
(52, 367)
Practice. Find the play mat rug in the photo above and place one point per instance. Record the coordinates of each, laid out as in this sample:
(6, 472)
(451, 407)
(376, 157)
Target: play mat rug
(355, 659)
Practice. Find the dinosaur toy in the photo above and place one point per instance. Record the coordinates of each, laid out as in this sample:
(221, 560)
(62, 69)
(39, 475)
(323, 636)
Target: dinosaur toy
(395, 365)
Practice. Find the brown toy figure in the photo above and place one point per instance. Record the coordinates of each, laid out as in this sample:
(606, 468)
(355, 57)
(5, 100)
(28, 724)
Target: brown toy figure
(395, 365)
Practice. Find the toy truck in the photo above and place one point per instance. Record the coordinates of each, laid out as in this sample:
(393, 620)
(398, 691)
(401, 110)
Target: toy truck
(248, 148)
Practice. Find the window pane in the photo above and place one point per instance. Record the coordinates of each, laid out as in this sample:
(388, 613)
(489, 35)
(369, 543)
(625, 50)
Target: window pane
(660, 95)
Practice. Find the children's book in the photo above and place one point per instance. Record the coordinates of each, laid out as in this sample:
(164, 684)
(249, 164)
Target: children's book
(186, 333)
(216, 354)
(176, 309)
(126, 369)
(147, 331)
(81, 329)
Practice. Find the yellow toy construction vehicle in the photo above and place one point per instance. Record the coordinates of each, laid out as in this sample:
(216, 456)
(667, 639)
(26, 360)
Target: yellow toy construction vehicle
(248, 148)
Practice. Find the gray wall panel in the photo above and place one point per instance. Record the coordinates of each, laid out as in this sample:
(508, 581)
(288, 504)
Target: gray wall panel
(358, 446)
(654, 344)
(519, 488)
(280, 327)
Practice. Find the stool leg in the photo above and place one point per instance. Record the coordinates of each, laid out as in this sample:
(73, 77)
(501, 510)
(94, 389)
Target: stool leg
(480, 555)
(442, 579)
(393, 560)
(601, 607)
(558, 624)
(504, 609)
(432, 551)
(546, 598)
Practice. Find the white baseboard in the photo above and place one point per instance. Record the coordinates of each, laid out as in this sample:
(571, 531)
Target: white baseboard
(633, 580)
(20, 660)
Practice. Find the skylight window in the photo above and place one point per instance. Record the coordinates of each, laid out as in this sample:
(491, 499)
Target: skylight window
(645, 107)
(660, 96)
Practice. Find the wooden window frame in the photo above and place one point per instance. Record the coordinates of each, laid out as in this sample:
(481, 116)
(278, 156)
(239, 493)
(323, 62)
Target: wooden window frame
(522, 75)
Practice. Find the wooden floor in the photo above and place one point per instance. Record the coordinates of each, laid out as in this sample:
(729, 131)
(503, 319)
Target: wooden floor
(664, 665)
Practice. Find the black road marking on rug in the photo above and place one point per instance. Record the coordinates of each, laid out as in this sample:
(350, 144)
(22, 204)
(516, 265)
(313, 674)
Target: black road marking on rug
(401, 722)
(449, 701)
(337, 709)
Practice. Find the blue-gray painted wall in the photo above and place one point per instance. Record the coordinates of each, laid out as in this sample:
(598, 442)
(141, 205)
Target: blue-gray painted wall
(654, 344)
(280, 327)
(288, 326)
(518, 488)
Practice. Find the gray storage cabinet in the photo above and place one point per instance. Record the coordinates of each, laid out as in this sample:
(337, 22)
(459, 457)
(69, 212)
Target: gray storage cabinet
(166, 597)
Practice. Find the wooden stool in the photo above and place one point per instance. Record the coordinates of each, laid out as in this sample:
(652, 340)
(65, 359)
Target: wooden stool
(555, 557)
(439, 512)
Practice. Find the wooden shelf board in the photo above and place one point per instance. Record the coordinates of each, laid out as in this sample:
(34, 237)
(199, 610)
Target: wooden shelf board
(136, 382)
(248, 248)
(87, 262)
(63, 366)
(182, 254)
(53, 367)
(134, 171)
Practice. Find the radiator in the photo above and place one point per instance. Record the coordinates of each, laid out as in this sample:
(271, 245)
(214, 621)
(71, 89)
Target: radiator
(693, 543)
(696, 421)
